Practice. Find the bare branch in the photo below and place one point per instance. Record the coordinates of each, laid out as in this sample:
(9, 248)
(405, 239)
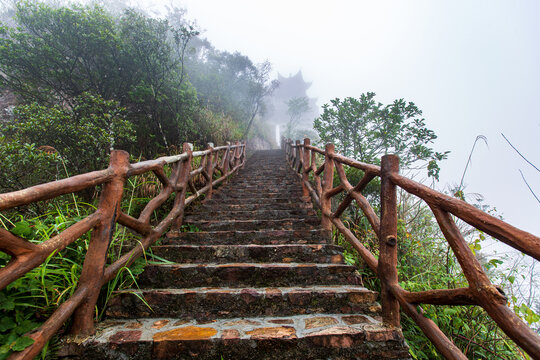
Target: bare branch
(524, 158)
(526, 183)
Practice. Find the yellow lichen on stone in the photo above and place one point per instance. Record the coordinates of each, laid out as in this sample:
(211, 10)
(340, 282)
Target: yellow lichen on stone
(186, 333)
(284, 332)
(320, 321)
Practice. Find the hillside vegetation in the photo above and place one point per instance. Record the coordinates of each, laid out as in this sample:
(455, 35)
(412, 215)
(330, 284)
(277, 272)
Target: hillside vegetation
(82, 80)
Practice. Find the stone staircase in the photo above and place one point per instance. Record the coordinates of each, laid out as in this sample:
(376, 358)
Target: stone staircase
(259, 279)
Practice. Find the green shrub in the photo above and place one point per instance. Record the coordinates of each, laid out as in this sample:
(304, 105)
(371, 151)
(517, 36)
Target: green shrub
(82, 135)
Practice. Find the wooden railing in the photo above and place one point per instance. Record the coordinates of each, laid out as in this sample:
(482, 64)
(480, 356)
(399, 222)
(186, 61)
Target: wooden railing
(303, 158)
(222, 161)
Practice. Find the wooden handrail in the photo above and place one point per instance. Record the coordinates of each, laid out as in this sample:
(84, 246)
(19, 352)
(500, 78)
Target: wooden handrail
(54, 189)
(303, 159)
(25, 255)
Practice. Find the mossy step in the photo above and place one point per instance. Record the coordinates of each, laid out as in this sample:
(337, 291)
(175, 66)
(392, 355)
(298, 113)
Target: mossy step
(213, 303)
(247, 275)
(285, 224)
(313, 253)
(253, 185)
(216, 206)
(258, 200)
(267, 236)
(249, 214)
(253, 190)
(267, 178)
(269, 194)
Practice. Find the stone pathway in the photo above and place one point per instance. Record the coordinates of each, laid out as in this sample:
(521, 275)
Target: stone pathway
(259, 280)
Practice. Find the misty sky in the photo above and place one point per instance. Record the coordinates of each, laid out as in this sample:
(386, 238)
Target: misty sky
(471, 66)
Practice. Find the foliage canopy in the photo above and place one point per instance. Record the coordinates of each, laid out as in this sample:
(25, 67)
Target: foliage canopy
(364, 129)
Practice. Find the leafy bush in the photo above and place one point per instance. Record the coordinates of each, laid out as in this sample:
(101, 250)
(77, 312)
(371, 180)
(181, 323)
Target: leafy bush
(218, 128)
(24, 165)
(82, 135)
(28, 301)
(426, 262)
(365, 130)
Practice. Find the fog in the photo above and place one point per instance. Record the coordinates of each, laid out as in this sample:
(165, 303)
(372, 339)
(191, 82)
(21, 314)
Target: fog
(470, 66)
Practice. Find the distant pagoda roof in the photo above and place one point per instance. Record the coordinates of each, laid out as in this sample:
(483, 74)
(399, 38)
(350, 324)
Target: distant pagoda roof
(291, 86)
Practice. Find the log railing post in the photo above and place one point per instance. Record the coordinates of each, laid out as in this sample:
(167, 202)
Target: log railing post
(290, 151)
(243, 159)
(226, 158)
(96, 256)
(236, 154)
(293, 153)
(305, 175)
(182, 185)
(328, 183)
(387, 268)
(297, 156)
(210, 169)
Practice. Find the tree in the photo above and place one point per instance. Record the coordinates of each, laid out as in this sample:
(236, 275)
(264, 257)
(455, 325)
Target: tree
(296, 107)
(259, 89)
(157, 53)
(229, 83)
(56, 54)
(365, 130)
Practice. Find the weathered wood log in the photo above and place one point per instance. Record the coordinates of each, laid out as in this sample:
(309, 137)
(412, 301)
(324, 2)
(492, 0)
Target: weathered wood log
(387, 268)
(328, 180)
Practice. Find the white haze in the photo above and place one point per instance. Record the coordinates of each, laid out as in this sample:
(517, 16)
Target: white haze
(471, 66)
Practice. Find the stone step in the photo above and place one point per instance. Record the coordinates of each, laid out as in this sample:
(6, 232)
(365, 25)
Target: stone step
(249, 237)
(286, 179)
(258, 200)
(313, 253)
(274, 173)
(291, 184)
(265, 214)
(214, 303)
(285, 183)
(210, 205)
(285, 224)
(280, 201)
(242, 194)
(267, 179)
(257, 192)
(247, 275)
(264, 181)
(326, 336)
